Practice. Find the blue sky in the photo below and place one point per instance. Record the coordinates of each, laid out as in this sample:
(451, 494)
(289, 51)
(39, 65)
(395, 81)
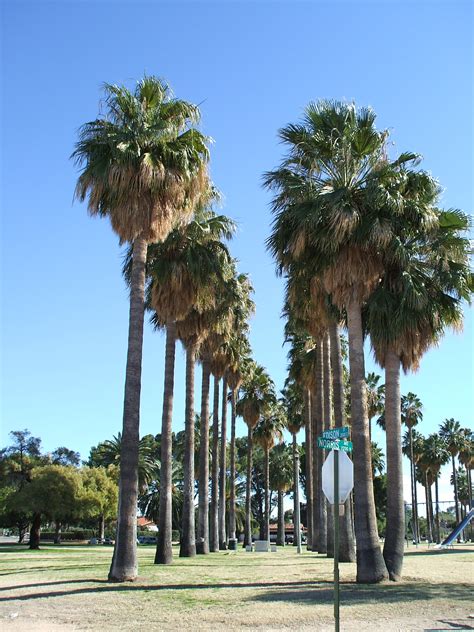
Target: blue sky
(252, 67)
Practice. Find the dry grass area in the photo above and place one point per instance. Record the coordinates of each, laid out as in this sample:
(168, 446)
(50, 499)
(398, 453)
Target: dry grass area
(64, 588)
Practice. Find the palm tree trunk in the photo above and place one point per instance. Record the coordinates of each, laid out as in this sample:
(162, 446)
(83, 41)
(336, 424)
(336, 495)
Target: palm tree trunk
(319, 508)
(455, 482)
(296, 496)
(188, 535)
(395, 531)
(248, 490)
(214, 517)
(202, 544)
(416, 525)
(35, 532)
(223, 469)
(309, 469)
(266, 465)
(328, 517)
(370, 563)
(430, 509)
(280, 541)
(232, 469)
(438, 530)
(164, 549)
(124, 565)
(346, 526)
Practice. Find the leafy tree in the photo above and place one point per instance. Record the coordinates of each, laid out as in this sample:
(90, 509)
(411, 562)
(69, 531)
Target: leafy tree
(65, 456)
(54, 493)
(100, 494)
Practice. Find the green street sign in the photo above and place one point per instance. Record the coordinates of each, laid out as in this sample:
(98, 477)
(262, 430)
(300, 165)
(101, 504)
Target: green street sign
(331, 444)
(336, 433)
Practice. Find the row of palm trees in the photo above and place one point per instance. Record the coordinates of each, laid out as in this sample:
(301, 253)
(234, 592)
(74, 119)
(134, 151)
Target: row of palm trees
(361, 243)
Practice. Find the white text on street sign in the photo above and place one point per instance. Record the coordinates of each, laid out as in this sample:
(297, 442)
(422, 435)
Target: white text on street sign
(336, 433)
(330, 444)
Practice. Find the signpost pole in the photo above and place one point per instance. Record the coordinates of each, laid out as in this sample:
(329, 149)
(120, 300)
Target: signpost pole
(336, 539)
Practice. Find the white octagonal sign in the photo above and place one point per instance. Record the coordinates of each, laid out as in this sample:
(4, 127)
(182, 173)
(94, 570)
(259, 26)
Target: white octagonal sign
(346, 477)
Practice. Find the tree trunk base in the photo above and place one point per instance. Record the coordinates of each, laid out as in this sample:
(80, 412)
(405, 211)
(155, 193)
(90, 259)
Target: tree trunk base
(202, 548)
(222, 546)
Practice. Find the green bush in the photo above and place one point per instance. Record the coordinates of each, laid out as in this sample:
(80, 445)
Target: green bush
(68, 536)
(175, 535)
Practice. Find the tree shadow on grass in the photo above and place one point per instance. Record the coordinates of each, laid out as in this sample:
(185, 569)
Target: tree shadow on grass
(103, 586)
(363, 593)
(35, 569)
(303, 592)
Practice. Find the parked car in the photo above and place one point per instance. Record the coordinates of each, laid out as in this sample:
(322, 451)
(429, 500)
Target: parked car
(95, 541)
(108, 541)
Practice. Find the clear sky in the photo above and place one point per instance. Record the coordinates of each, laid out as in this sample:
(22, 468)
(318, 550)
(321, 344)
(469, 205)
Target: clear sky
(252, 67)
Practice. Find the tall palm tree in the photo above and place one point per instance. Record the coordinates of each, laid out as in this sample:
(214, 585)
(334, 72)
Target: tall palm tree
(240, 358)
(187, 270)
(334, 213)
(409, 312)
(450, 431)
(412, 447)
(436, 455)
(292, 400)
(347, 551)
(234, 298)
(256, 393)
(281, 477)
(144, 167)
(466, 457)
(411, 415)
(268, 431)
(375, 397)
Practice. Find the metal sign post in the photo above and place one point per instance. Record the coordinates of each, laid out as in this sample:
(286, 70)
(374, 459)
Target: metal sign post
(336, 540)
(337, 483)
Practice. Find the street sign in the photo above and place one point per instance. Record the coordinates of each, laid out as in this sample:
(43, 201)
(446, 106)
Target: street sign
(346, 477)
(336, 433)
(337, 482)
(338, 444)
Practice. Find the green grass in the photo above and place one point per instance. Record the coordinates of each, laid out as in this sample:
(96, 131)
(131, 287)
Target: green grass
(66, 586)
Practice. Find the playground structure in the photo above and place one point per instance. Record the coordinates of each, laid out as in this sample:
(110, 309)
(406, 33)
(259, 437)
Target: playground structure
(456, 531)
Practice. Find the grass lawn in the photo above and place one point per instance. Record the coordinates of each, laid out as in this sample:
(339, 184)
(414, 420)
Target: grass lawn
(65, 588)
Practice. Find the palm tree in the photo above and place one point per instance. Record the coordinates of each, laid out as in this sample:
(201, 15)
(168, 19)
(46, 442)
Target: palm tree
(375, 397)
(412, 447)
(281, 476)
(235, 374)
(186, 270)
(450, 431)
(268, 431)
(408, 313)
(292, 400)
(256, 392)
(347, 551)
(144, 167)
(109, 453)
(333, 212)
(436, 455)
(411, 415)
(466, 457)
(234, 299)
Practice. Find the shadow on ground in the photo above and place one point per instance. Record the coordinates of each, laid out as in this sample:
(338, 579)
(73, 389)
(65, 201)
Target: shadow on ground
(304, 592)
(361, 593)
